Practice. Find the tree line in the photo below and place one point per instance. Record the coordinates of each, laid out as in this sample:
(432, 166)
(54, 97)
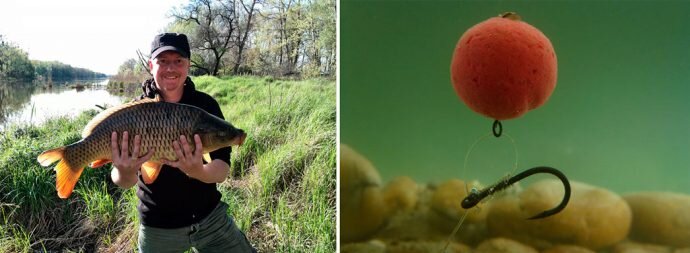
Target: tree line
(15, 64)
(260, 37)
(53, 70)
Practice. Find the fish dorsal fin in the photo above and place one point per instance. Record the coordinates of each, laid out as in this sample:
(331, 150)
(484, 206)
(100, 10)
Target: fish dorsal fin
(110, 111)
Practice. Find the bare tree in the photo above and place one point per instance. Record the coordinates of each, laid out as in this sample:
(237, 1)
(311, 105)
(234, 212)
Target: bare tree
(278, 37)
(241, 38)
(319, 44)
(144, 63)
(290, 17)
(284, 17)
(214, 31)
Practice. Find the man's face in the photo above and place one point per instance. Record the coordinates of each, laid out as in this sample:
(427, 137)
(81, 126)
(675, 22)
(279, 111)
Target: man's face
(169, 70)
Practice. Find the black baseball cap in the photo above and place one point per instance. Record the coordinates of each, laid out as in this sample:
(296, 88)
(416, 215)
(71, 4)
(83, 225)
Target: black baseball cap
(170, 41)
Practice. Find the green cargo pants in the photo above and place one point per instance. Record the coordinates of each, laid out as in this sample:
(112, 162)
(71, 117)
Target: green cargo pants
(215, 233)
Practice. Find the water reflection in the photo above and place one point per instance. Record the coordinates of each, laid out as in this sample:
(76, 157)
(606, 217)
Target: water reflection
(34, 103)
(13, 96)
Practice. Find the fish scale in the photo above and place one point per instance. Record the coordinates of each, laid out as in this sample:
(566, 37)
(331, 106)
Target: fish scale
(158, 124)
(156, 130)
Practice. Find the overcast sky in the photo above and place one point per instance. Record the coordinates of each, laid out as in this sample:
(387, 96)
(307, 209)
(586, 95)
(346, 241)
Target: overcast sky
(93, 34)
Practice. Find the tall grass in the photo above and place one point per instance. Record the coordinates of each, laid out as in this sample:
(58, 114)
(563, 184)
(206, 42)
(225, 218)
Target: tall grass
(281, 191)
(286, 168)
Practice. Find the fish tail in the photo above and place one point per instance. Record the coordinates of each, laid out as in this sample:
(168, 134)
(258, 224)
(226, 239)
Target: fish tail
(67, 172)
(49, 157)
(66, 178)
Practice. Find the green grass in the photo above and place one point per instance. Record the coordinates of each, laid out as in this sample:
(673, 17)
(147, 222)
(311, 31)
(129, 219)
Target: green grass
(288, 161)
(281, 191)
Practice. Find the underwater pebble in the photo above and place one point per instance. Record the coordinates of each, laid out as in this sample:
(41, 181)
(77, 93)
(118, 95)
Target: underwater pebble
(373, 246)
(362, 206)
(660, 217)
(448, 197)
(401, 194)
(410, 226)
(635, 247)
(503, 245)
(567, 249)
(594, 218)
(423, 224)
(425, 246)
(446, 212)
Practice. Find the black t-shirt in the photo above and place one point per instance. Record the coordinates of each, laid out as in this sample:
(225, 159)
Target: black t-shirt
(176, 200)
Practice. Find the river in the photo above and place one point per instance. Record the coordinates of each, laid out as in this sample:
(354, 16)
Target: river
(29, 103)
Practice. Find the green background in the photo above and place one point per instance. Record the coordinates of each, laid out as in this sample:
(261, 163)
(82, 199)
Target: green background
(619, 116)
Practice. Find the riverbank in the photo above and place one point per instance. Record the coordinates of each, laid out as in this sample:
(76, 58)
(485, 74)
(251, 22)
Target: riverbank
(281, 192)
(32, 102)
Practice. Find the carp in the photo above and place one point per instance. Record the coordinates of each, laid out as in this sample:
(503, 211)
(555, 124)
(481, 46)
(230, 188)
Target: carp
(158, 123)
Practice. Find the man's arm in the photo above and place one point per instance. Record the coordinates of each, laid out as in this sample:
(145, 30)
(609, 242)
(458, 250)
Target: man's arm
(123, 179)
(214, 172)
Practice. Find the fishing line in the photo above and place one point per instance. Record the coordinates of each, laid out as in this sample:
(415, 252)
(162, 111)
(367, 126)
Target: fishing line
(455, 230)
(498, 128)
(481, 139)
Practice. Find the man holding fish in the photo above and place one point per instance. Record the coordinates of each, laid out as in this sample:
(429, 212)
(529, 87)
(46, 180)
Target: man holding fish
(182, 209)
(157, 143)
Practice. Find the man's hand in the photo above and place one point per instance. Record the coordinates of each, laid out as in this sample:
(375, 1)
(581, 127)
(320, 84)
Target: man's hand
(125, 166)
(187, 161)
(191, 163)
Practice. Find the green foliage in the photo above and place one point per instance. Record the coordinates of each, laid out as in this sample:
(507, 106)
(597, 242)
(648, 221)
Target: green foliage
(131, 72)
(294, 39)
(89, 214)
(272, 37)
(22, 180)
(288, 158)
(53, 70)
(13, 237)
(100, 206)
(211, 33)
(281, 192)
(14, 62)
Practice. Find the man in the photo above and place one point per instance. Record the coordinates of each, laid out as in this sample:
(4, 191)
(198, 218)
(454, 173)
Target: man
(182, 208)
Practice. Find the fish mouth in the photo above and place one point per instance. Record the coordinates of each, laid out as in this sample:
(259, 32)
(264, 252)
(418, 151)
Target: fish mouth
(240, 139)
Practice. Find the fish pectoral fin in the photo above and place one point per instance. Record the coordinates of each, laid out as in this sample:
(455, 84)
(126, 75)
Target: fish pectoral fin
(207, 157)
(50, 156)
(66, 178)
(150, 171)
(98, 163)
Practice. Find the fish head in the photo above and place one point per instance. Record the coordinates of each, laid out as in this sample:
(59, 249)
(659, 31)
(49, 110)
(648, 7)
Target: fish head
(217, 133)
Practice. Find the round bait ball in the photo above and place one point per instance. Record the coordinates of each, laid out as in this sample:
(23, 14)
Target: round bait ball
(503, 67)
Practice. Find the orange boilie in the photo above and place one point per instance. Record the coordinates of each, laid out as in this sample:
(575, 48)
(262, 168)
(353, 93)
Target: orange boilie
(503, 67)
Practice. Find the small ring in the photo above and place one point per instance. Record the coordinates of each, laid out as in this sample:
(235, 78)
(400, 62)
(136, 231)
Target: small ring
(497, 125)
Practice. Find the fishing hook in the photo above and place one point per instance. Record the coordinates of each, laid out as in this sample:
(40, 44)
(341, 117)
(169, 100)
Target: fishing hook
(474, 197)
